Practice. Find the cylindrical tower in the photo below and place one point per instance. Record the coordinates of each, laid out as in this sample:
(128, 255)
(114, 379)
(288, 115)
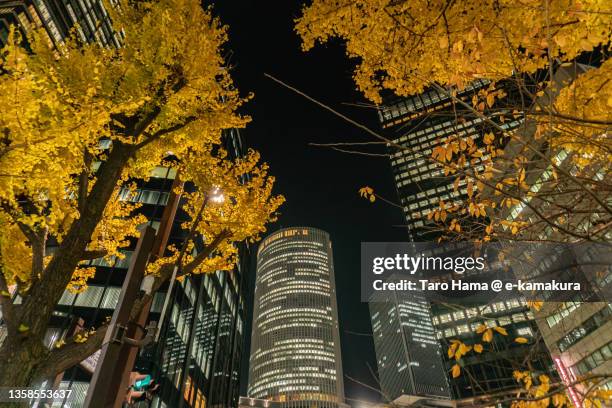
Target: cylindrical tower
(295, 348)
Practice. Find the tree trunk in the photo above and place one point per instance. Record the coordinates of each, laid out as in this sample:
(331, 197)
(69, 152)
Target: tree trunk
(19, 360)
(22, 352)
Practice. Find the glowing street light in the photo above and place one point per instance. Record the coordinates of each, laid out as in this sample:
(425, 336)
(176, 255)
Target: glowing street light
(216, 195)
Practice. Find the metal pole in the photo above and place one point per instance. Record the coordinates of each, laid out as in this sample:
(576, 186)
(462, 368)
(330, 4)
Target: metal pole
(105, 383)
(129, 354)
(162, 318)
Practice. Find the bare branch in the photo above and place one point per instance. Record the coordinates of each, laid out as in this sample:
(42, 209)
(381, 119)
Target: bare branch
(357, 152)
(467, 172)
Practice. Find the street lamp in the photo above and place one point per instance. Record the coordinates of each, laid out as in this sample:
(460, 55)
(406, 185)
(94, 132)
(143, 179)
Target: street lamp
(216, 195)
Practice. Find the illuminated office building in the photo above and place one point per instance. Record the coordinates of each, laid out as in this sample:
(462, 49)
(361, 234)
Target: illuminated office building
(419, 124)
(295, 349)
(408, 354)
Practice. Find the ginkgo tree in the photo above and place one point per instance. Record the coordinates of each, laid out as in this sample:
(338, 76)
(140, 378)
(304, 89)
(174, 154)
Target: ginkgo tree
(546, 180)
(80, 121)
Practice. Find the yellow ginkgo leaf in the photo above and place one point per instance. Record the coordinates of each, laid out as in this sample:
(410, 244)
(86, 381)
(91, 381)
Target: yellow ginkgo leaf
(487, 336)
(464, 348)
(501, 331)
(365, 191)
(456, 371)
(536, 305)
(478, 348)
(452, 349)
(521, 340)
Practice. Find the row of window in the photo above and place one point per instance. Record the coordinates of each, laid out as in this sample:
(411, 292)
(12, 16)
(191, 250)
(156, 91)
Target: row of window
(431, 137)
(595, 359)
(144, 196)
(424, 99)
(564, 311)
(470, 328)
(478, 311)
(103, 298)
(587, 327)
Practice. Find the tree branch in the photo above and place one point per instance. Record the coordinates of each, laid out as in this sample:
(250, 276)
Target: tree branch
(69, 355)
(157, 135)
(38, 243)
(93, 254)
(200, 257)
(37, 307)
(547, 112)
(192, 230)
(472, 174)
(166, 271)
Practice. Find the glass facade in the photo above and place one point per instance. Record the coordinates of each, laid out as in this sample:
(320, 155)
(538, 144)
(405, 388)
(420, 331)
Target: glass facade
(197, 359)
(576, 331)
(58, 18)
(492, 370)
(409, 356)
(295, 350)
(419, 124)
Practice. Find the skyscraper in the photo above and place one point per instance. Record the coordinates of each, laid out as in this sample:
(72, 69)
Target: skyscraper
(418, 124)
(295, 348)
(409, 356)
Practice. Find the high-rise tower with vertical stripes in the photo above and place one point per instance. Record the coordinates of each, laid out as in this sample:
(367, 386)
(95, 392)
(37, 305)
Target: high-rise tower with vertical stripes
(295, 349)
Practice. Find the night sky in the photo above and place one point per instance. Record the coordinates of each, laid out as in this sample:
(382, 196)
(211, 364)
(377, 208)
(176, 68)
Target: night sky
(320, 184)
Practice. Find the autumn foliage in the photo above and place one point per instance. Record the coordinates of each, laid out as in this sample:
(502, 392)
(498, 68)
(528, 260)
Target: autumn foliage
(77, 124)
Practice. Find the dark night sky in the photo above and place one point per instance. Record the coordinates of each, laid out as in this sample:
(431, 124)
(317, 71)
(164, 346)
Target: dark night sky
(320, 184)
